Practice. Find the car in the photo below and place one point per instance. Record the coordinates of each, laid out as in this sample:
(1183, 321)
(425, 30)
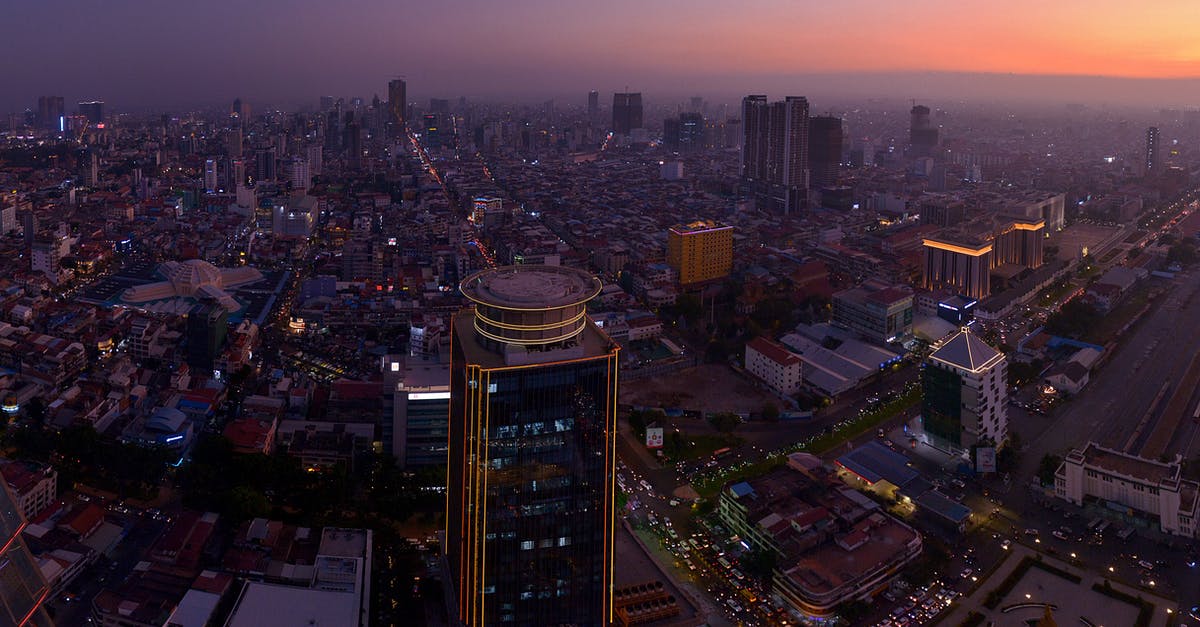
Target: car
(1033, 533)
(1060, 535)
(1145, 564)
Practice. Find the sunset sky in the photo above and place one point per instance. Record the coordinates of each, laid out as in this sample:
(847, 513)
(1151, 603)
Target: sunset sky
(154, 52)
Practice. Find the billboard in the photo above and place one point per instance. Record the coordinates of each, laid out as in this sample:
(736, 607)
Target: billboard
(985, 459)
(654, 437)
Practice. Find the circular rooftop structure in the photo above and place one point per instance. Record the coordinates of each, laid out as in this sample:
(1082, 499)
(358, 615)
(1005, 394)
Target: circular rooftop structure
(530, 305)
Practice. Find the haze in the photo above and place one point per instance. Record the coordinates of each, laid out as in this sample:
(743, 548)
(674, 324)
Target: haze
(148, 53)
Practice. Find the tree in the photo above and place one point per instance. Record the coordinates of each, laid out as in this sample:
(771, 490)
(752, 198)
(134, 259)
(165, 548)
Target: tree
(1075, 319)
(760, 562)
(36, 410)
(725, 422)
(1047, 467)
(770, 412)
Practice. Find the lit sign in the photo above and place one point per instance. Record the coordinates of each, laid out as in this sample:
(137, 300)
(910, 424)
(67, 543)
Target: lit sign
(174, 438)
(654, 437)
(429, 396)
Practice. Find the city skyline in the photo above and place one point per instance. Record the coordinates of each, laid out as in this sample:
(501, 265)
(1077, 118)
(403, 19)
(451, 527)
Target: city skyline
(142, 54)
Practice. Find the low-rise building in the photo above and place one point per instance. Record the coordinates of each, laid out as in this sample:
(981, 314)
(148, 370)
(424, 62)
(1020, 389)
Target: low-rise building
(33, 485)
(878, 312)
(1139, 486)
(774, 365)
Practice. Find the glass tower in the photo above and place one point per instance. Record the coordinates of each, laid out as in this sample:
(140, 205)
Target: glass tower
(22, 589)
(530, 494)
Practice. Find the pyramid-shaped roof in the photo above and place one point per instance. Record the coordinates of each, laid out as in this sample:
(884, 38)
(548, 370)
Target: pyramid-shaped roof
(966, 351)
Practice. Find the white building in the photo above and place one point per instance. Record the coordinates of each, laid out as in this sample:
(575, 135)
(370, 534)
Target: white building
(299, 175)
(775, 365)
(965, 394)
(210, 175)
(1150, 487)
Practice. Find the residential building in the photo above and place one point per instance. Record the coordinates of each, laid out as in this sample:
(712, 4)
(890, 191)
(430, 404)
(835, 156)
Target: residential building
(965, 400)
(1132, 484)
(532, 458)
(700, 251)
(32, 485)
(774, 365)
(824, 150)
(626, 112)
(775, 157)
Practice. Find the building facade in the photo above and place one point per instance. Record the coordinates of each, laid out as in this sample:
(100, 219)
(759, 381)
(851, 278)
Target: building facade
(700, 251)
(22, 589)
(626, 113)
(1121, 481)
(825, 150)
(878, 312)
(965, 400)
(774, 365)
(531, 493)
(775, 152)
(960, 265)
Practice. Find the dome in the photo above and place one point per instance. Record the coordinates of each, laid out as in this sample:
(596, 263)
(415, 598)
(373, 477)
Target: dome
(191, 275)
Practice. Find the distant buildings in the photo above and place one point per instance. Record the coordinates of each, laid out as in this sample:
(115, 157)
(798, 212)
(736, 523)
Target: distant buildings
(824, 150)
(397, 107)
(1153, 150)
(922, 134)
(700, 251)
(93, 111)
(1120, 480)
(593, 105)
(626, 113)
(965, 400)
(51, 113)
(532, 458)
(775, 152)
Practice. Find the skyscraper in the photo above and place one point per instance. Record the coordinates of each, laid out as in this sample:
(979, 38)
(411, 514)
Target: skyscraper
(824, 149)
(210, 175)
(22, 589)
(93, 110)
(265, 165)
(50, 113)
(775, 152)
(530, 502)
(627, 112)
(691, 131)
(1152, 149)
(593, 109)
(397, 107)
(922, 135)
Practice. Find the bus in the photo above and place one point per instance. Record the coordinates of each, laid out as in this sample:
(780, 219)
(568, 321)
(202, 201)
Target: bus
(1125, 533)
(724, 563)
(721, 452)
(1101, 527)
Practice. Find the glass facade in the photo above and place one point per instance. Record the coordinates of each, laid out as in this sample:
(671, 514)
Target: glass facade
(22, 588)
(530, 499)
(941, 404)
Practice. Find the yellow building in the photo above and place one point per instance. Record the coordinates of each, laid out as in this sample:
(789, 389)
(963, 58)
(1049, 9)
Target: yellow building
(700, 251)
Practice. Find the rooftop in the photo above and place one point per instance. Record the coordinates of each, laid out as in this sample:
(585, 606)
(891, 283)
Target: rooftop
(1147, 470)
(531, 287)
(967, 352)
(270, 604)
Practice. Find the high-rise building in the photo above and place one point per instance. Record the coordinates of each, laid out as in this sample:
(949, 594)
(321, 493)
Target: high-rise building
(22, 589)
(51, 113)
(1152, 149)
(530, 505)
(265, 165)
(233, 143)
(627, 112)
(700, 251)
(691, 132)
(593, 109)
(922, 134)
(431, 135)
(93, 110)
(298, 174)
(397, 107)
(207, 326)
(965, 400)
(210, 176)
(824, 150)
(775, 152)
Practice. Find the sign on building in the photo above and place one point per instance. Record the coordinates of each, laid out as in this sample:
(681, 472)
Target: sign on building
(654, 437)
(985, 459)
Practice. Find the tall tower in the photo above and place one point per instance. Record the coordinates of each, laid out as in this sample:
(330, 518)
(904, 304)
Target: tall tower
(825, 149)
(1152, 150)
(593, 109)
(397, 107)
(530, 498)
(775, 152)
(922, 134)
(627, 112)
(22, 589)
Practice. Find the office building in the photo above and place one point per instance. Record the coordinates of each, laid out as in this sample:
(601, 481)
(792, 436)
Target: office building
(419, 391)
(1019, 241)
(530, 508)
(1151, 488)
(824, 150)
(207, 326)
(878, 312)
(22, 589)
(1153, 149)
(691, 132)
(627, 113)
(51, 113)
(965, 399)
(93, 110)
(593, 105)
(700, 251)
(775, 153)
(431, 134)
(958, 263)
(233, 143)
(922, 134)
(397, 107)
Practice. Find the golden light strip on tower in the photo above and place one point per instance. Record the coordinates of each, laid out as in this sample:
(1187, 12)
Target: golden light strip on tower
(529, 327)
(955, 248)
